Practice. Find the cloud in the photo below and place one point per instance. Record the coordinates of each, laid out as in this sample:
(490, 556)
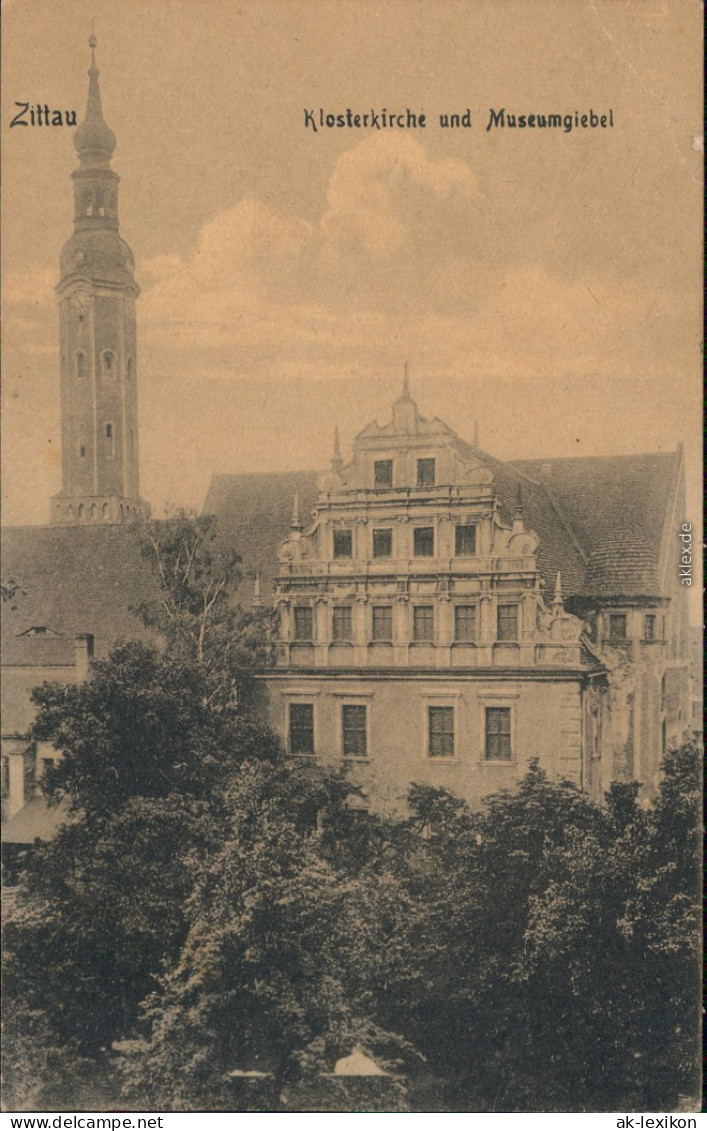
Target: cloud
(396, 266)
(381, 190)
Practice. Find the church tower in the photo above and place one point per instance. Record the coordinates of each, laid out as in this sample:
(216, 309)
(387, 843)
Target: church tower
(97, 293)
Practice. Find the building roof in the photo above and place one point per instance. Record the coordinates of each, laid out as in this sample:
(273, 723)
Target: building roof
(611, 498)
(73, 580)
(254, 514)
(622, 567)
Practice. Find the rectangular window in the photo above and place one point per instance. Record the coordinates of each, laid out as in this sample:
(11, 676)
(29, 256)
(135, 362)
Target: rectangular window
(424, 542)
(423, 623)
(383, 622)
(353, 722)
(425, 472)
(507, 622)
(441, 732)
(465, 541)
(649, 627)
(383, 473)
(465, 623)
(498, 734)
(304, 622)
(301, 728)
(617, 626)
(342, 543)
(341, 622)
(382, 543)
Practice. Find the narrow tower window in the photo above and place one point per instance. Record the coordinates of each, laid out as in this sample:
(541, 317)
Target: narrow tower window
(110, 441)
(80, 364)
(108, 363)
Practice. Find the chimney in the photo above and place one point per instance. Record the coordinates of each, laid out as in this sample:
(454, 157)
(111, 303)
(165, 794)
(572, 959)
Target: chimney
(83, 654)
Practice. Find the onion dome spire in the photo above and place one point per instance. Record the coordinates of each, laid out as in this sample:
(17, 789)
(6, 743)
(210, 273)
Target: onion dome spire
(94, 140)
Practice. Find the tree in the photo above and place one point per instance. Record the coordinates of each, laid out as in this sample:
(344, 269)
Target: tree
(197, 612)
(547, 957)
(276, 922)
(148, 745)
(144, 725)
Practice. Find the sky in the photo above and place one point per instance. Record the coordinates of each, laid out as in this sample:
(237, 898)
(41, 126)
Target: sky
(545, 283)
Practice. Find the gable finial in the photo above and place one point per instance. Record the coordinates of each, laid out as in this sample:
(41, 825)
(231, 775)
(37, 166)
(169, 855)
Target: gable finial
(519, 501)
(406, 380)
(296, 524)
(557, 601)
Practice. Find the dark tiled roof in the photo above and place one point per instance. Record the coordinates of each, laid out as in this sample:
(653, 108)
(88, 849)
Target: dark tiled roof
(611, 497)
(73, 580)
(254, 513)
(53, 650)
(622, 567)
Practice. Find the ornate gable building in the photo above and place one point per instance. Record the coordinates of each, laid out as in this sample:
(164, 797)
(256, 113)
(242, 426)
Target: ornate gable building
(444, 618)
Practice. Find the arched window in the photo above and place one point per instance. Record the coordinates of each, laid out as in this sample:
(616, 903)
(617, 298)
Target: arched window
(82, 513)
(94, 512)
(130, 369)
(106, 512)
(80, 364)
(110, 441)
(108, 359)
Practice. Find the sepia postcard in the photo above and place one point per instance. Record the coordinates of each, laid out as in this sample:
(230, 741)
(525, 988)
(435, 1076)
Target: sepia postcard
(351, 398)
